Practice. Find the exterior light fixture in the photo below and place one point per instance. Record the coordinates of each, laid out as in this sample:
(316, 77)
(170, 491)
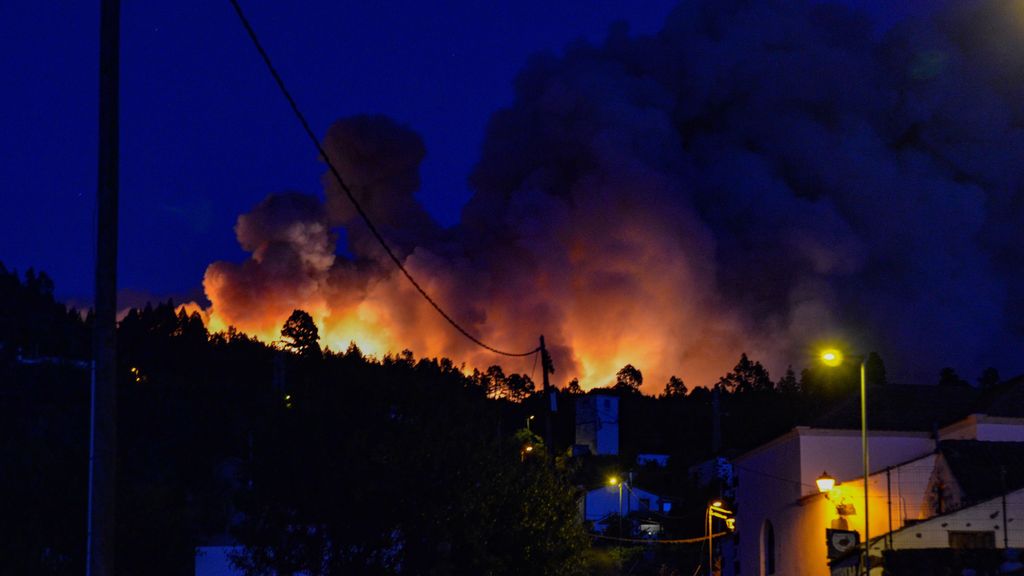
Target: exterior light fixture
(825, 483)
(716, 510)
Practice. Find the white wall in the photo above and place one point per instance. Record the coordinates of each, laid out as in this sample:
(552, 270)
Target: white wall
(985, 428)
(768, 486)
(839, 452)
(597, 423)
(777, 483)
(214, 561)
(603, 501)
(987, 516)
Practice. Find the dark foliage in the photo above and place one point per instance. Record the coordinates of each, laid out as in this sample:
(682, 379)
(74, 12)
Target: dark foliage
(628, 379)
(300, 334)
(874, 370)
(406, 471)
(747, 376)
(949, 377)
(330, 463)
(675, 387)
(989, 378)
(34, 325)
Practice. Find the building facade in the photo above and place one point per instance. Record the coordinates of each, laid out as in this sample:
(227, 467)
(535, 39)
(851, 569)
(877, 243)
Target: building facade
(782, 517)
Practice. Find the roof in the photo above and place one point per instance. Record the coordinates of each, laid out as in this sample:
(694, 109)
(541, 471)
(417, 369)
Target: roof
(978, 467)
(924, 408)
(1006, 399)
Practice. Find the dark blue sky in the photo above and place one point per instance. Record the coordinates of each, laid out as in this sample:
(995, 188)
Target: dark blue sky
(205, 135)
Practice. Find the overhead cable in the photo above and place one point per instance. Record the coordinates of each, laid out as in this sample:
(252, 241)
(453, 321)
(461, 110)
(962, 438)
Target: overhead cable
(348, 192)
(652, 541)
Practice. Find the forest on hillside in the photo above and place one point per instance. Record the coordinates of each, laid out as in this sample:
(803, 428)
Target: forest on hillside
(334, 462)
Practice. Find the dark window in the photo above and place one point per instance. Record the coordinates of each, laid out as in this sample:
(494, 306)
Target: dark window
(972, 539)
(768, 548)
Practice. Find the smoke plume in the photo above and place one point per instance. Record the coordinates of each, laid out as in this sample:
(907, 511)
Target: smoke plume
(758, 177)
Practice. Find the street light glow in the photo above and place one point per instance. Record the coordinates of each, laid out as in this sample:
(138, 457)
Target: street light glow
(831, 357)
(613, 481)
(825, 483)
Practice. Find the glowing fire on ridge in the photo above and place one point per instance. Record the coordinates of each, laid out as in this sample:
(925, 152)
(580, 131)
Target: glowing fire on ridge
(637, 206)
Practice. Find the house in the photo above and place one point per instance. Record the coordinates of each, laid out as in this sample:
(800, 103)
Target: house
(919, 478)
(603, 503)
(659, 460)
(216, 561)
(714, 471)
(781, 517)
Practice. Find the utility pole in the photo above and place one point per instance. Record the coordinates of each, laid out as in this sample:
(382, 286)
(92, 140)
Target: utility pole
(716, 423)
(100, 548)
(546, 368)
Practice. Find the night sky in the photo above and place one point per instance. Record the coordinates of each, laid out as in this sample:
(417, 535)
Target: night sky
(206, 137)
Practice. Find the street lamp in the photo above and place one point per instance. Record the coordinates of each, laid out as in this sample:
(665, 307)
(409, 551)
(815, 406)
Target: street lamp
(716, 510)
(612, 482)
(528, 420)
(825, 483)
(833, 358)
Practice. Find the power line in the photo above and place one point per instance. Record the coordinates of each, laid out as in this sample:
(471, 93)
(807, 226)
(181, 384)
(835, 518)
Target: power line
(651, 541)
(348, 192)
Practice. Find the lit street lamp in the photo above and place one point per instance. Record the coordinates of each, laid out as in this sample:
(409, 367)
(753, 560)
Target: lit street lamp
(527, 449)
(612, 482)
(716, 510)
(825, 483)
(833, 358)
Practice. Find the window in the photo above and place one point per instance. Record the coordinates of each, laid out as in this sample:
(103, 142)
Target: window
(972, 539)
(767, 548)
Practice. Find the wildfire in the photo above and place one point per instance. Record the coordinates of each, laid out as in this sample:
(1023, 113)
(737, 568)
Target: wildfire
(636, 205)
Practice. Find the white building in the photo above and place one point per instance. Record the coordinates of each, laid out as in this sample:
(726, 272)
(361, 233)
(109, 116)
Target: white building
(602, 503)
(597, 423)
(782, 517)
(216, 561)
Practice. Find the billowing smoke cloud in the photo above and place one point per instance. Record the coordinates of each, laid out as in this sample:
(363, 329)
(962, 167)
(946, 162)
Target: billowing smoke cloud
(757, 177)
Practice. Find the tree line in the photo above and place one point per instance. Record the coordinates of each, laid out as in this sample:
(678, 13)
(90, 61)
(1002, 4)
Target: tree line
(327, 462)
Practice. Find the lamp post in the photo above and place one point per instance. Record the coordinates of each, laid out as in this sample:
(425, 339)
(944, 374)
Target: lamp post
(716, 510)
(612, 482)
(833, 358)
